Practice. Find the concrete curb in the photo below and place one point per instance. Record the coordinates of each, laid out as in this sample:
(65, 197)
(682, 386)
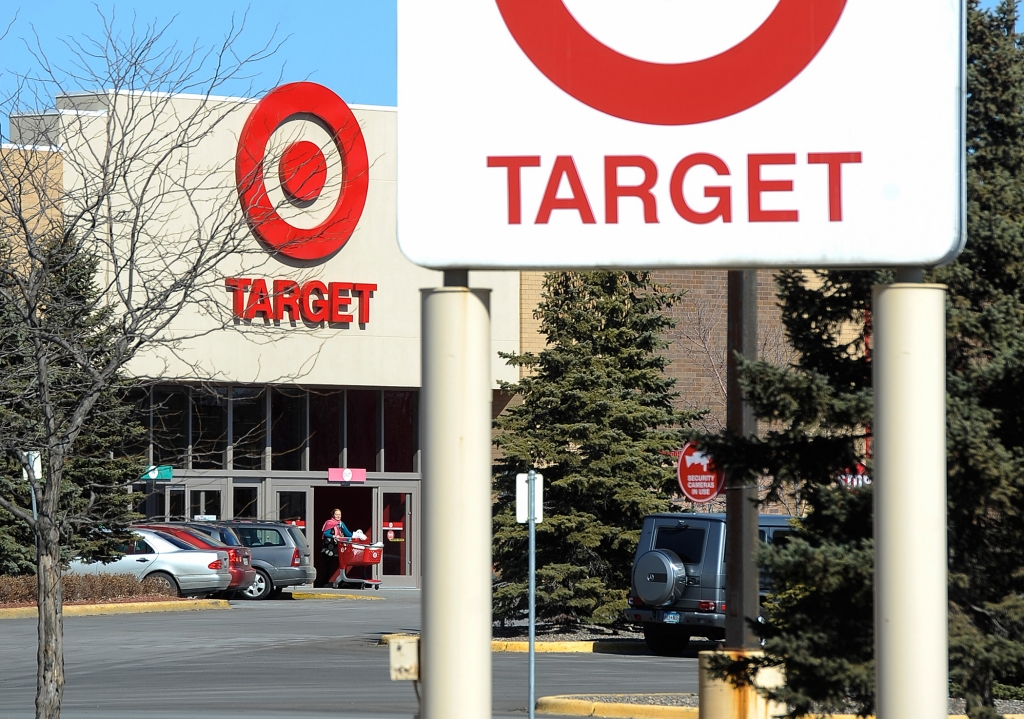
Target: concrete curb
(600, 646)
(89, 610)
(568, 705)
(325, 595)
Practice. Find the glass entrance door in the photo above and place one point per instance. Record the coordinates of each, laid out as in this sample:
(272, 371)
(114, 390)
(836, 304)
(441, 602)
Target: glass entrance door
(397, 535)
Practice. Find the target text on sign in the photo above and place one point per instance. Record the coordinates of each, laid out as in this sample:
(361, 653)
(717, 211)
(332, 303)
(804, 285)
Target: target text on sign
(287, 300)
(566, 190)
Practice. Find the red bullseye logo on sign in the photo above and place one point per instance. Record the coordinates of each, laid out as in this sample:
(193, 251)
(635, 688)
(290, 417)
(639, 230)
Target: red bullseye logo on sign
(302, 197)
(699, 479)
(671, 94)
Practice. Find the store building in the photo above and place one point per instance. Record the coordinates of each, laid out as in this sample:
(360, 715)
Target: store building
(307, 356)
(302, 361)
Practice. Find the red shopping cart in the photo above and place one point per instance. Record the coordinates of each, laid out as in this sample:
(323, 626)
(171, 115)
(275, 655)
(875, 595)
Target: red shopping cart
(352, 554)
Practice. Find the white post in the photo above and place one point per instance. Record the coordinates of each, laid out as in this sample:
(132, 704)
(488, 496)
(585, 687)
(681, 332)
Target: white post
(908, 356)
(531, 504)
(455, 659)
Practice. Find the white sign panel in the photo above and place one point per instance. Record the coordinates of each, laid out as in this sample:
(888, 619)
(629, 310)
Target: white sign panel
(523, 498)
(662, 133)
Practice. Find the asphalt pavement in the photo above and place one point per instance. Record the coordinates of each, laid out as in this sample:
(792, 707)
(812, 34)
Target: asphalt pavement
(277, 659)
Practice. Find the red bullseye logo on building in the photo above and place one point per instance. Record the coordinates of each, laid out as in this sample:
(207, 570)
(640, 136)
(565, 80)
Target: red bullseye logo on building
(303, 198)
(671, 94)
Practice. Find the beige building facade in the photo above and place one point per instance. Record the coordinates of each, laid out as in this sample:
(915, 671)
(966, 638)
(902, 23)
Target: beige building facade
(279, 368)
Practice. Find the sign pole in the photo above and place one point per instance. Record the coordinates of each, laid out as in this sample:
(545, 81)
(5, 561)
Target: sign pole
(910, 499)
(742, 601)
(531, 479)
(456, 432)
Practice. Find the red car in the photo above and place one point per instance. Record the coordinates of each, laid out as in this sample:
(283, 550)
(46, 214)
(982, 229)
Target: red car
(242, 572)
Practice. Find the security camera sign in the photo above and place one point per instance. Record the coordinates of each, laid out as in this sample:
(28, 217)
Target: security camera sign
(604, 133)
(699, 480)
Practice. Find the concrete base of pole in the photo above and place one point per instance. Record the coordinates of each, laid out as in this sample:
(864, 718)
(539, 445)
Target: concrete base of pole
(720, 699)
(908, 358)
(455, 422)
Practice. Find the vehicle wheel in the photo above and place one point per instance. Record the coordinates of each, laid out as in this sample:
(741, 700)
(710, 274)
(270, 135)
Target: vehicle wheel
(666, 640)
(166, 581)
(261, 587)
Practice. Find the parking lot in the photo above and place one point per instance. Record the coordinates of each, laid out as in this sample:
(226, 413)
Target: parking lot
(284, 658)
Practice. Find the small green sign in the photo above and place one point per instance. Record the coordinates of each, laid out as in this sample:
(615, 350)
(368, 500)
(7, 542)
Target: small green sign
(159, 473)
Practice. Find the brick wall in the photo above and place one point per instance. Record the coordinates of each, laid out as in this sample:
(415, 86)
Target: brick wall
(697, 343)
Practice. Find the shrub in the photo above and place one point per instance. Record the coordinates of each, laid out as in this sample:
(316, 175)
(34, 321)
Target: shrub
(82, 588)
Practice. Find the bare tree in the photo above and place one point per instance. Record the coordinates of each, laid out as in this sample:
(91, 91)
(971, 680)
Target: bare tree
(117, 180)
(701, 334)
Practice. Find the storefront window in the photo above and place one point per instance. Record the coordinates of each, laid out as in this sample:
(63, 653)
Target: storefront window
(209, 428)
(136, 445)
(324, 430)
(288, 430)
(245, 502)
(170, 426)
(150, 504)
(400, 431)
(248, 427)
(176, 504)
(204, 503)
(292, 508)
(361, 429)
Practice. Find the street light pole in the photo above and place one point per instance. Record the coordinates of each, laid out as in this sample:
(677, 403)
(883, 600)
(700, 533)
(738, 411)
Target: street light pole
(742, 601)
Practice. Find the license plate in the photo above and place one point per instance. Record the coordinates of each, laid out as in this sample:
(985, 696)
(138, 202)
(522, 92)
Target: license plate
(245, 561)
(671, 618)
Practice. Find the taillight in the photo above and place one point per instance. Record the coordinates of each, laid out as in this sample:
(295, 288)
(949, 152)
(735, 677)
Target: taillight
(216, 564)
(722, 608)
(235, 556)
(296, 558)
(636, 602)
(706, 606)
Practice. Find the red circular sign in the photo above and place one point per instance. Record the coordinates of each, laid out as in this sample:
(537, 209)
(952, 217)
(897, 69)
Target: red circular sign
(671, 94)
(699, 479)
(303, 99)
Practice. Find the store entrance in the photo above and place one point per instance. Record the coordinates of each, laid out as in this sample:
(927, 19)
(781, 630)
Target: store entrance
(356, 505)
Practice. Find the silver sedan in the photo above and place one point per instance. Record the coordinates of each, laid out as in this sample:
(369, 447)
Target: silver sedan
(186, 571)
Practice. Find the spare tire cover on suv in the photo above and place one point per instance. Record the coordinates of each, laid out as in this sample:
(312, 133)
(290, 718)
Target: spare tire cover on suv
(655, 577)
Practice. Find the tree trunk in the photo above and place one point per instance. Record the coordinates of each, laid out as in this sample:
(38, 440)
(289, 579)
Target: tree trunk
(50, 656)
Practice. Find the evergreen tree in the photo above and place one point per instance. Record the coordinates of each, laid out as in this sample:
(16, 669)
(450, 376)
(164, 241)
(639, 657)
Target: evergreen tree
(985, 356)
(814, 416)
(820, 615)
(597, 421)
(105, 458)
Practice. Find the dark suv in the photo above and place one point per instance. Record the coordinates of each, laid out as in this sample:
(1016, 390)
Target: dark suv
(678, 587)
(280, 555)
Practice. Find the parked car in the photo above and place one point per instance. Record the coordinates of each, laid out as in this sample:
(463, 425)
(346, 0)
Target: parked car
(184, 570)
(240, 558)
(280, 555)
(221, 534)
(678, 587)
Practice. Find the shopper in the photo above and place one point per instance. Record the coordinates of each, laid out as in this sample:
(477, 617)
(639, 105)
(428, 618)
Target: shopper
(334, 528)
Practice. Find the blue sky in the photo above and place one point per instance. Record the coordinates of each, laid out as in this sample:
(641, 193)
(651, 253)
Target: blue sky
(347, 45)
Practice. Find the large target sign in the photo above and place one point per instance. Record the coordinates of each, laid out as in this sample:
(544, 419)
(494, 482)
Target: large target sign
(302, 171)
(658, 133)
